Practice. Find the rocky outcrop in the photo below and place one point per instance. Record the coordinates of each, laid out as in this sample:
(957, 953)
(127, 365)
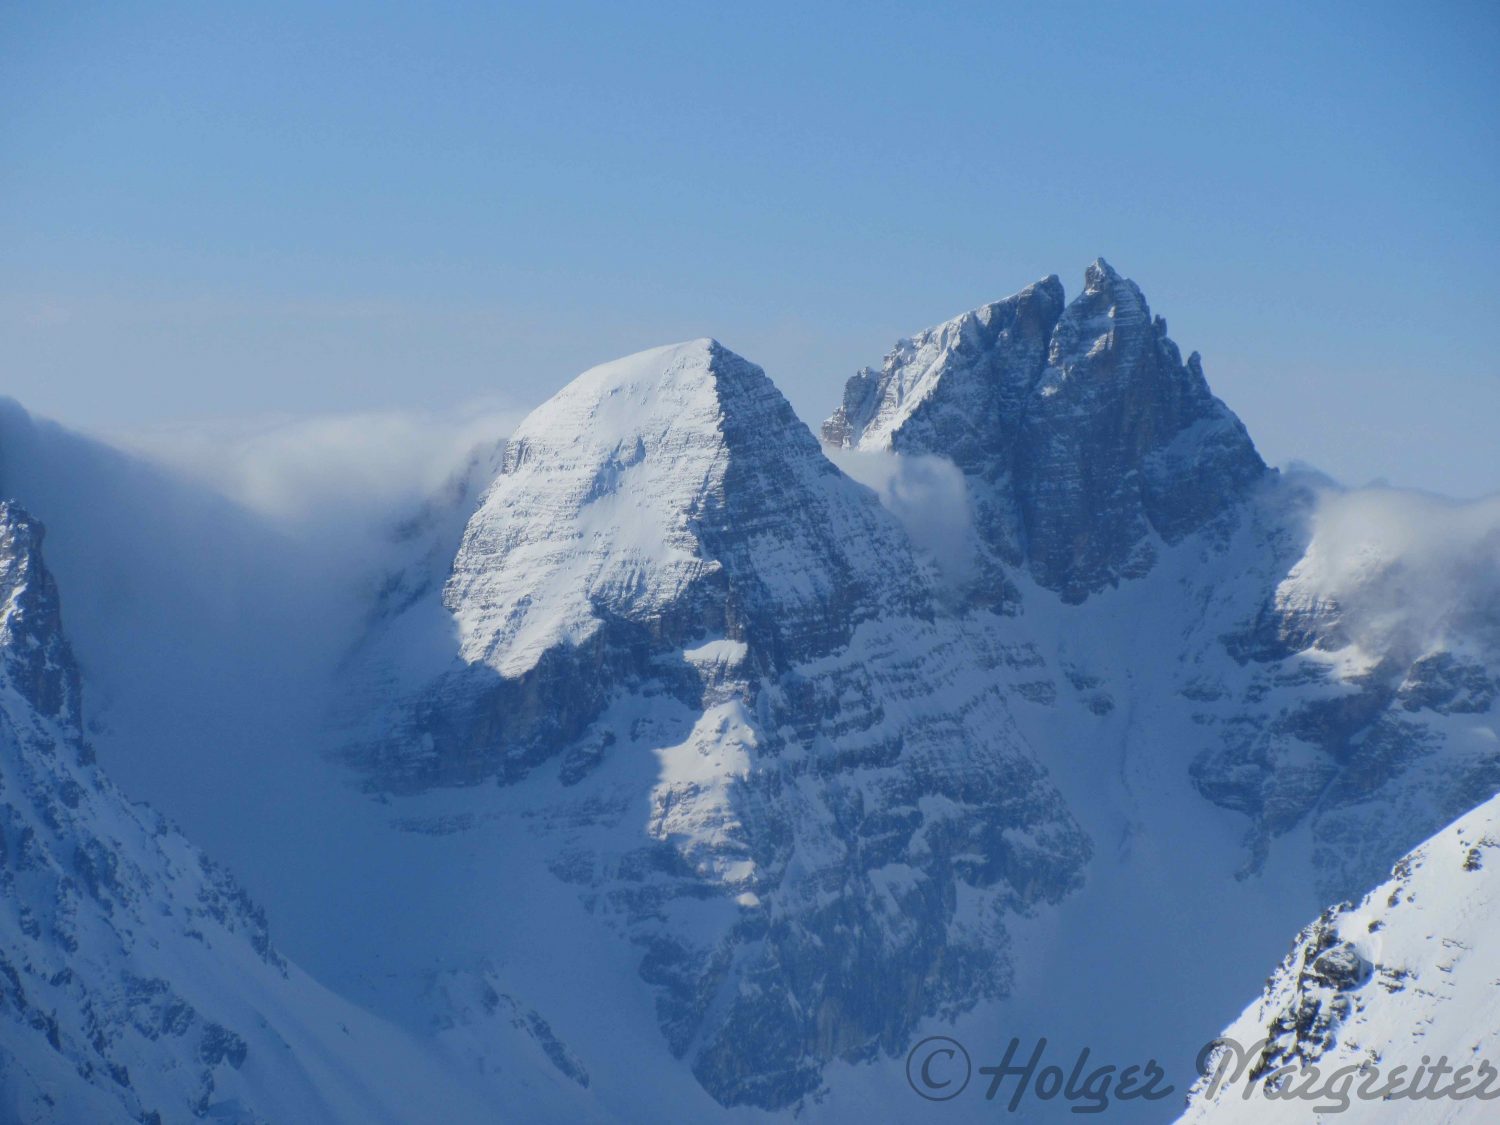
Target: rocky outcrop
(34, 654)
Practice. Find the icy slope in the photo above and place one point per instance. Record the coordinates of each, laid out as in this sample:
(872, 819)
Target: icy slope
(1408, 977)
(137, 981)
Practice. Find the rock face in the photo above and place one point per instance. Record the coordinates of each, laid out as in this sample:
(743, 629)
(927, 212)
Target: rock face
(670, 596)
(1326, 678)
(81, 872)
(1086, 438)
(1409, 976)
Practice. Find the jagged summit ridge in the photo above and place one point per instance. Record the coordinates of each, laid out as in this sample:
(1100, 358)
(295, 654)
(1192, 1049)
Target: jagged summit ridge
(1083, 433)
(1003, 340)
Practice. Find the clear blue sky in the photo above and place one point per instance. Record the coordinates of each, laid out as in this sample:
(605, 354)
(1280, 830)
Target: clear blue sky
(212, 210)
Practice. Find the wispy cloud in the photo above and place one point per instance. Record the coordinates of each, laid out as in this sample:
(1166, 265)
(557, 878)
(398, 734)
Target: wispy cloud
(927, 494)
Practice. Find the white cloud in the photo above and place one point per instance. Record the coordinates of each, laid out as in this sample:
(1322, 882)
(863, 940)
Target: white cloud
(1406, 568)
(927, 494)
(340, 469)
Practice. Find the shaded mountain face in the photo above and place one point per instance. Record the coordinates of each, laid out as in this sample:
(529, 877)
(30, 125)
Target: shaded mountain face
(672, 601)
(1356, 696)
(1087, 440)
(1327, 675)
(82, 873)
(1407, 976)
(137, 980)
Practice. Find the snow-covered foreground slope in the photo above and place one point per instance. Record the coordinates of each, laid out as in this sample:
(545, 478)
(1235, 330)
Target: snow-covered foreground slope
(656, 769)
(137, 981)
(1395, 1002)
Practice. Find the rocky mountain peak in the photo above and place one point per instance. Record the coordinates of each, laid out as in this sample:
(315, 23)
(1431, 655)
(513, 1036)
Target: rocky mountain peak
(951, 385)
(1085, 437)
(650, 483)
(1100, 276)
(645, 397)
(1110, 324)
(657, 503)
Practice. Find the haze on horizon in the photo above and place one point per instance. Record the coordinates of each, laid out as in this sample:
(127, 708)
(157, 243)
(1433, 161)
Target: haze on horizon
(237, 215)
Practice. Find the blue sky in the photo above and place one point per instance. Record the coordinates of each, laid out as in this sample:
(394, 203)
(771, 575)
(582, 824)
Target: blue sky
(220, 211)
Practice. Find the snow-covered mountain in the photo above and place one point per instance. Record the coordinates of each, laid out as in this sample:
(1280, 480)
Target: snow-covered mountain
(774, 768)
(669, 762)
(1406, 985)
(1086, 439)
(1322, 648)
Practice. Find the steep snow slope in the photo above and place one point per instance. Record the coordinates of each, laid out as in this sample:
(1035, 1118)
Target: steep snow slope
(1409, 977)
(137, 981)
(639, 482)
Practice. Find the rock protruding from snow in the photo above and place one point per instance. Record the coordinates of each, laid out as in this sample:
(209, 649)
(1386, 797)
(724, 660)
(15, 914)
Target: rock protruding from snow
(1084, 435)
(34, 655)
(1408, 977)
